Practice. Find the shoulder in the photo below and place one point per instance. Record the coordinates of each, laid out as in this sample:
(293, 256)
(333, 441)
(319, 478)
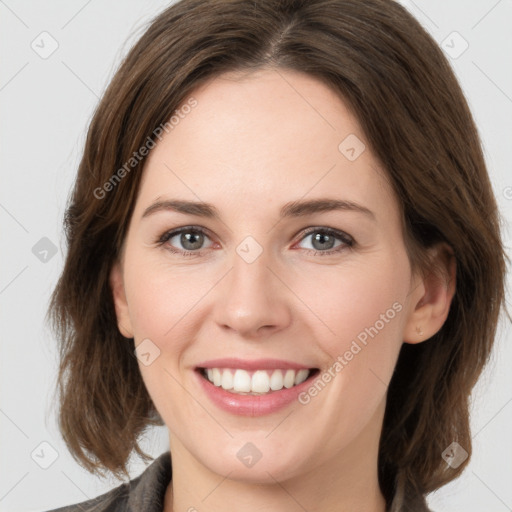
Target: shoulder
(146, 492)
(112, 501)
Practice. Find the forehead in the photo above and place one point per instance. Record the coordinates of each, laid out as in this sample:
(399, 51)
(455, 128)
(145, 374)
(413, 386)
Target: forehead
(264, 134)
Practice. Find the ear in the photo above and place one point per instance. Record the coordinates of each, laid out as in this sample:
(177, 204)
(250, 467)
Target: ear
(118, 292)
(432, 296)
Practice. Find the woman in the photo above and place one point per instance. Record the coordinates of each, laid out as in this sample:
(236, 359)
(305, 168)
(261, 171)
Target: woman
(284, 246)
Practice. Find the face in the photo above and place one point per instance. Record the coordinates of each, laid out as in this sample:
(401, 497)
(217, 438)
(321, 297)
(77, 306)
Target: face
(296, 269)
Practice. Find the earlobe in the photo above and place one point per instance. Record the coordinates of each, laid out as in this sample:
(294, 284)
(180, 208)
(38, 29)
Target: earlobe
(121, 305)
(433, 298)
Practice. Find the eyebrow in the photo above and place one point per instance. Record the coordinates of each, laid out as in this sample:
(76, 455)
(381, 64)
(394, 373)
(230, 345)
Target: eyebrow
(293, 209)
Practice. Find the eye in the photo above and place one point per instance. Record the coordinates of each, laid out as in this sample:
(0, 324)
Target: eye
(323, 240)
(191, 240)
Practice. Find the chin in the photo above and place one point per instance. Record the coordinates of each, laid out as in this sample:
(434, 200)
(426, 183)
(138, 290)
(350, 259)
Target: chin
(247, 463)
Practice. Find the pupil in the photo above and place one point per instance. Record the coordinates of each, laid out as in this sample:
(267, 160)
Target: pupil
(195, 239)
(322, 238)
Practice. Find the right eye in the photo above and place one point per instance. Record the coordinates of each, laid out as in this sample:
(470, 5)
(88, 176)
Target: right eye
(190, 238)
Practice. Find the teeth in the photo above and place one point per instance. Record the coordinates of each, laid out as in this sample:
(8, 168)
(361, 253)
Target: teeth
(276, 380)
(227, 380)
(301, 376)
(289, 378)
(260, 382)
(241, 381)
(217, 377)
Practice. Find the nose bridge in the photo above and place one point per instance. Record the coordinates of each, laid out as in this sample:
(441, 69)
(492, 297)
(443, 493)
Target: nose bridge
(251, 272)
(252, 296)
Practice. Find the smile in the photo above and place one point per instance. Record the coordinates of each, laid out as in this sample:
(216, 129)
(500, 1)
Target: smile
(253, 387)
(256, 382)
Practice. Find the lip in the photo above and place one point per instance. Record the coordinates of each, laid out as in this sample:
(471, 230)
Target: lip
(256, 364)
(252, 405)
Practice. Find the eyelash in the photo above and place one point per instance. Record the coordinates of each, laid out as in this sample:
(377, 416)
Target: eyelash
(347, 241)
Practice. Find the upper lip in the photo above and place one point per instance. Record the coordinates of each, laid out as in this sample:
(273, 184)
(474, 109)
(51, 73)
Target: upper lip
(254, 364)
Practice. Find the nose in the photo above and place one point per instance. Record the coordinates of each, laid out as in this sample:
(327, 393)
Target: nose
(253, 300)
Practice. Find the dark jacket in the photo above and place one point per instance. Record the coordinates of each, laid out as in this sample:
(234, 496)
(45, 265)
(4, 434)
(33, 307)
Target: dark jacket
(146, 494)
(142, 494)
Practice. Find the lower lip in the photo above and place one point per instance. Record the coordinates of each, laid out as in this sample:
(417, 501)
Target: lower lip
(252, 405)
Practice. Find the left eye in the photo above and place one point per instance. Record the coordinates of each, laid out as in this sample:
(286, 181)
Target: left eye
(324, 240)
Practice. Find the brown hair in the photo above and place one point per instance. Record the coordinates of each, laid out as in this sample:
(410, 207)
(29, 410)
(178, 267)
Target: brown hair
(398, 83)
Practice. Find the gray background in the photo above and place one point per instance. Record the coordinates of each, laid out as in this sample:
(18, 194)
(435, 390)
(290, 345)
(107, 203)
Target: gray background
(46, 104)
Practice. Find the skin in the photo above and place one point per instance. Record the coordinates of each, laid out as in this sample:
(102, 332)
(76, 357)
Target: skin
(253, 143)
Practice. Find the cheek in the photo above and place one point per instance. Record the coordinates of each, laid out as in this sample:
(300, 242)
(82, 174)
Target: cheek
(162, 302)
(160, 298)
(360, 311)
